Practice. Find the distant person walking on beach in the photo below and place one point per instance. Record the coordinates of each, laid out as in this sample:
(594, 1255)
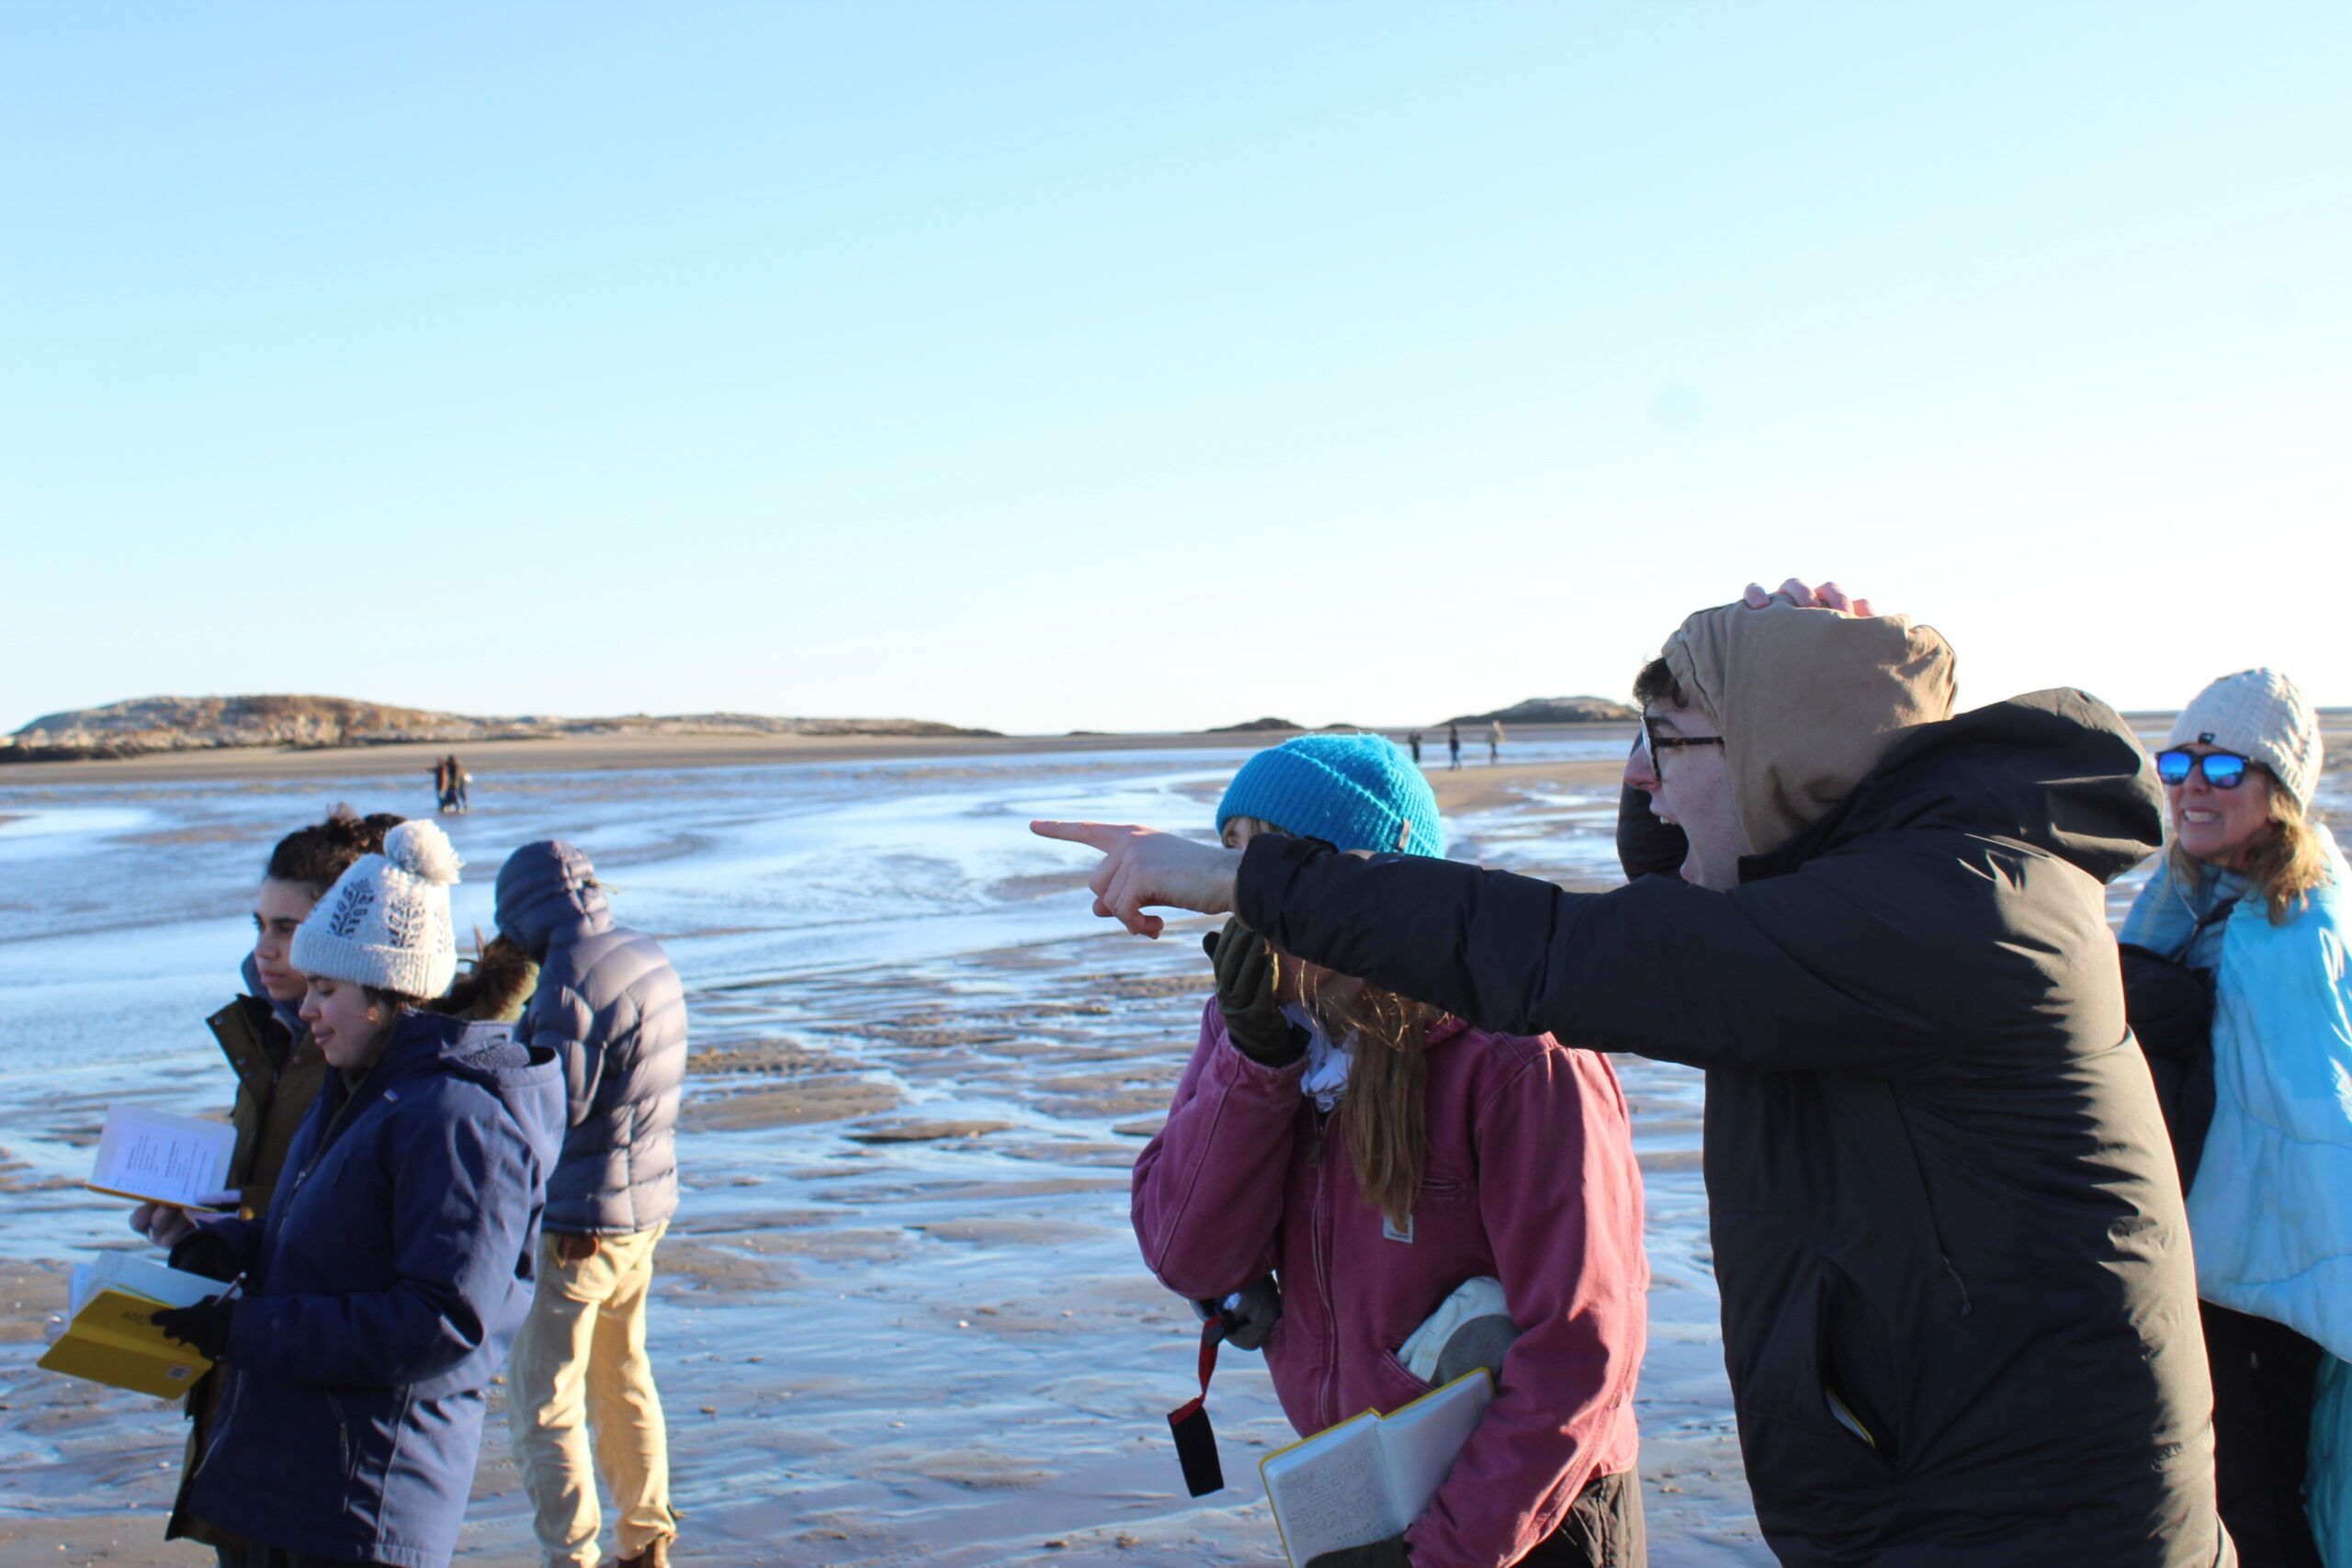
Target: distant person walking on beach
(1959, 1303)
(1493, 742)
(611, 1008)
(394, 1265)
(2235, 970)
(1434, 1199)
(1414, 740)
(1453, 747)
(278, 1070)
(449, 781)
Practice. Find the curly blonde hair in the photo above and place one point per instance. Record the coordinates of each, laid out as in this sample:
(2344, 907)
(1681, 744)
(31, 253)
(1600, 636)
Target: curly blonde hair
(2286, 865)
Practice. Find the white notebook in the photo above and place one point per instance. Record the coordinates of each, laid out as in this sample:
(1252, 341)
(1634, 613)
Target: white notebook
(158, 1158)
(1371, 1477)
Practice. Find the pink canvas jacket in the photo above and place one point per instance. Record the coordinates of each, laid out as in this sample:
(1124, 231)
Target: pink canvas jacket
(1530, 1181)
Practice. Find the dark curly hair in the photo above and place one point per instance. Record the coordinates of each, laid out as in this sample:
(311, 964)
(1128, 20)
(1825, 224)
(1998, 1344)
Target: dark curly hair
(314, 856)
(1656, 684)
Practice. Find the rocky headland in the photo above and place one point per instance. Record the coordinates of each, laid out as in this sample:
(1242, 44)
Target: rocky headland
(1556, 710)
(148, 724)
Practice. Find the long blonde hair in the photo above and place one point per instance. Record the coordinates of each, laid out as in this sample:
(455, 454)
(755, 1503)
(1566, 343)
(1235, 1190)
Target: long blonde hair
(1384, 1113)
(2285, 865)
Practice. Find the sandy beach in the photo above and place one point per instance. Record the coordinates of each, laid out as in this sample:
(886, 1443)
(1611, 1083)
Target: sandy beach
(899, 1319)
(633, 753)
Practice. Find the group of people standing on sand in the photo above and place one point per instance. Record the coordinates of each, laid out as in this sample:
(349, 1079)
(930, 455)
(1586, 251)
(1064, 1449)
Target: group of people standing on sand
(1454, 745)
(2032, 1250)
(438, 1176)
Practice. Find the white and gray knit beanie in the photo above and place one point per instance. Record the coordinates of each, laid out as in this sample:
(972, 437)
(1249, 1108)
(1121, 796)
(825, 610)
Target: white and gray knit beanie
(2263, 717)
(386, 921)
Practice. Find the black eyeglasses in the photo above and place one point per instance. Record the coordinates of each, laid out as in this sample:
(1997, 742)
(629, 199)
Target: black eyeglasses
(1655, 744)
(2224, 770)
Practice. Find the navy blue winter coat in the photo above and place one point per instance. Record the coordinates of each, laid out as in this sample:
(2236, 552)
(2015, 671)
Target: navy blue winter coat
(611, 1010)
(381, 1292)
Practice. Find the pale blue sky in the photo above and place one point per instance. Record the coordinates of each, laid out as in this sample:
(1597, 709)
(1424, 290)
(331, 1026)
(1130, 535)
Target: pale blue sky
(1130, 366)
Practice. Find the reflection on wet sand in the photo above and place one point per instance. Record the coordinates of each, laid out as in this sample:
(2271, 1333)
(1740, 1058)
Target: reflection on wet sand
(901, 1319)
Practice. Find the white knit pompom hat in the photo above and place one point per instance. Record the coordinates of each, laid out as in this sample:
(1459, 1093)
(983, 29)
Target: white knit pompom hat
(2263, 717)
(386, 921)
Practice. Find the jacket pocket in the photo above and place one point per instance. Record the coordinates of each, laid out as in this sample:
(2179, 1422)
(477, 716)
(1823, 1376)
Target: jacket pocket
(1398, 1386)
(346, 1460)
(1443, 1190)
(1859, 1374)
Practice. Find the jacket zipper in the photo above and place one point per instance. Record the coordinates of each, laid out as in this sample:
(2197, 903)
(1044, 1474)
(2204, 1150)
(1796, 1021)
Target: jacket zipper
(1327, 1401)
(1927, 1201)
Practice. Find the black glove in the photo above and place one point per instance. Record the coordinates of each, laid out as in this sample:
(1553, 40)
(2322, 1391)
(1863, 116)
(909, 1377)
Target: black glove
(202, 1252)
(203, 1329)
(2169, 1005)
(1389, 1554)
(1245, 995)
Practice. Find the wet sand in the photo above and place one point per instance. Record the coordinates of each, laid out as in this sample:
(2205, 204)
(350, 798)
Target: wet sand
(610, 753)
(901, 1319)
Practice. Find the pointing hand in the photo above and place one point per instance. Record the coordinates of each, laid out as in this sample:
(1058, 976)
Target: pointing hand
(1141, 866)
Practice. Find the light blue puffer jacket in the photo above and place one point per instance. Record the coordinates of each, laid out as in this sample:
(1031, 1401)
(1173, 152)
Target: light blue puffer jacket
(2270, 1214)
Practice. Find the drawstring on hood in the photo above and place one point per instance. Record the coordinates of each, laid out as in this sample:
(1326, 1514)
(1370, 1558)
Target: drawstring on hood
(1808, 701)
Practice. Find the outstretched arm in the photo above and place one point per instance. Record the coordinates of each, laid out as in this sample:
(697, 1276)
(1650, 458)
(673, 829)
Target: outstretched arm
(1818, 970)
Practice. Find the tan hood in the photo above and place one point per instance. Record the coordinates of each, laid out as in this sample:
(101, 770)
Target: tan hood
(1807, 701)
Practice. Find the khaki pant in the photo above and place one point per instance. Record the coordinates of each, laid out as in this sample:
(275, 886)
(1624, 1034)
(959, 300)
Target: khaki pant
(580, 1366)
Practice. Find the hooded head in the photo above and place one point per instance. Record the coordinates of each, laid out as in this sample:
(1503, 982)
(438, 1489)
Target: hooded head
(1808, 701)
(1354, 792)
(544, 889)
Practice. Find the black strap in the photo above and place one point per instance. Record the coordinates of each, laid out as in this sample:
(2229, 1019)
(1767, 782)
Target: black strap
(1189, 1421)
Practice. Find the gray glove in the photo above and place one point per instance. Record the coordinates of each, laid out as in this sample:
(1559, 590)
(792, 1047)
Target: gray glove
(1256, 1309)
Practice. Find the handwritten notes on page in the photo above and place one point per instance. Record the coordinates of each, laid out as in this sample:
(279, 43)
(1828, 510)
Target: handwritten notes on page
(1330, 1492)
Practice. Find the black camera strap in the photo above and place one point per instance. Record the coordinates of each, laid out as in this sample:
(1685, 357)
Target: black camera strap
(1195, 1443)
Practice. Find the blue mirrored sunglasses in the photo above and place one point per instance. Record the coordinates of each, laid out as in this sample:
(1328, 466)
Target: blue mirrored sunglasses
(2224, 770)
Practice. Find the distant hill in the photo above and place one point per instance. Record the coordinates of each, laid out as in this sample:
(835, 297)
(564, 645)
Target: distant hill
(1279, 726)
(1556, 710)
(196, 724)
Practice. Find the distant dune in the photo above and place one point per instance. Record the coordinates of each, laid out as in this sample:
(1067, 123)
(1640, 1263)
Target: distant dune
(148, 724)
(1556, 710)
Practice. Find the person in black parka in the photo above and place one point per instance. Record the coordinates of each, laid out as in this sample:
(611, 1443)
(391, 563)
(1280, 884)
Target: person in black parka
(1958, 1308)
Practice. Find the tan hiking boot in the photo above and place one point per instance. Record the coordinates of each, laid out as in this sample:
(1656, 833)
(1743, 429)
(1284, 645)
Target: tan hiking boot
(655, 1555)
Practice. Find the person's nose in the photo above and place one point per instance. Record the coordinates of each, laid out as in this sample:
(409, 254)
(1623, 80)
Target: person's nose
(1639, 773)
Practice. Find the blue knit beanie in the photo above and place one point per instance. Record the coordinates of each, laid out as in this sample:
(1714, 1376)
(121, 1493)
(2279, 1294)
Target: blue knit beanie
(1357, 792)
